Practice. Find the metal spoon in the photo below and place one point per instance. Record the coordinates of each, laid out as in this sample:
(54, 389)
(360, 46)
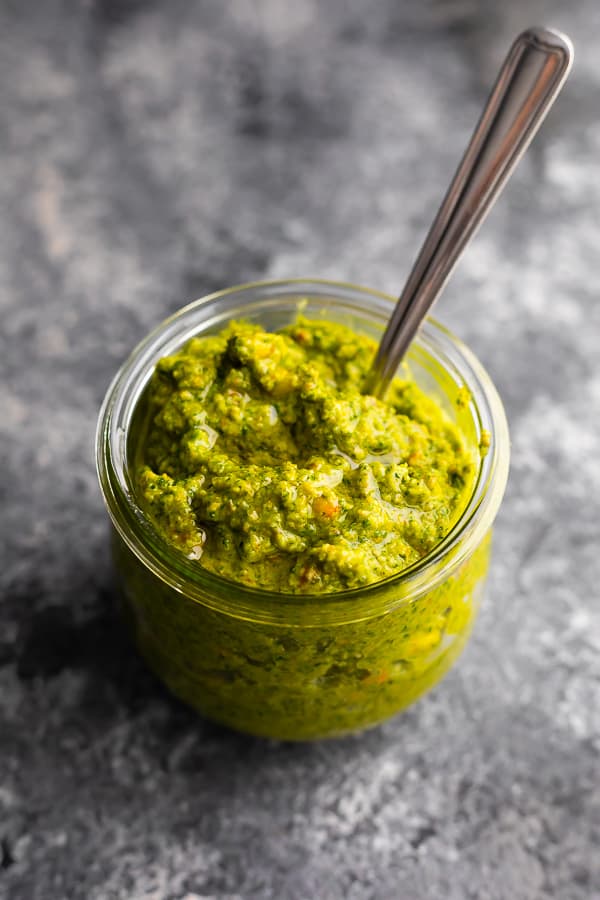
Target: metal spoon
(528, 83)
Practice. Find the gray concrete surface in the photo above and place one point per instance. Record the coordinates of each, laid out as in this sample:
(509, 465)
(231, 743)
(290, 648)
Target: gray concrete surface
(152, 152)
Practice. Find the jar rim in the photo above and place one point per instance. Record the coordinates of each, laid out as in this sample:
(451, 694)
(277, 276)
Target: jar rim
(259, 604)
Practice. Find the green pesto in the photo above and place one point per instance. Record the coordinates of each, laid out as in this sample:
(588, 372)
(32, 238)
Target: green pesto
(264, 461)
(299, 681)
(257, 455)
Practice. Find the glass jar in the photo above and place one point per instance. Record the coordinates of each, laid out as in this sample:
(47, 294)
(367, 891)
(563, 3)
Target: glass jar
(290, 666)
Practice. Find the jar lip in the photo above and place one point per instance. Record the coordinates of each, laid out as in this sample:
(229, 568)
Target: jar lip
(187, 577)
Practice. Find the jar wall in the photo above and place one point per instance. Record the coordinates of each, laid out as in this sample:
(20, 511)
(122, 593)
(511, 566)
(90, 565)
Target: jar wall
(293, 682)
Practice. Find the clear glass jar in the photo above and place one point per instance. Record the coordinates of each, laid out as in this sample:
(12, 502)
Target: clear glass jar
(302, 666)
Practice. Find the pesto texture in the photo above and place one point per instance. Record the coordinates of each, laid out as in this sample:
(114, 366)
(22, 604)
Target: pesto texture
(263, 460)
(300, 680)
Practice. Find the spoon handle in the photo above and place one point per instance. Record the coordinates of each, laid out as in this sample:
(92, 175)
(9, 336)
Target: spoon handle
(527, 85)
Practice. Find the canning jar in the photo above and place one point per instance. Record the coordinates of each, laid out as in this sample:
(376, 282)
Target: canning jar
(304, 666)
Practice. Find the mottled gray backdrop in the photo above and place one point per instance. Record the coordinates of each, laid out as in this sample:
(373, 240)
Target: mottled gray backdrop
(152, 152)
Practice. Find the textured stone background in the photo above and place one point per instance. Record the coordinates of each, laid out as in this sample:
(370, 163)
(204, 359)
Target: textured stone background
(153, 152)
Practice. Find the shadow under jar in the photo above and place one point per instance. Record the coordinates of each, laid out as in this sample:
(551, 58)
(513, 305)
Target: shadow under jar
(302, 666)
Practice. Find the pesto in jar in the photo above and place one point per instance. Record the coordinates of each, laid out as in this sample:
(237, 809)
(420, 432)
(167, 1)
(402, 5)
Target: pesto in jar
(263, 460)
